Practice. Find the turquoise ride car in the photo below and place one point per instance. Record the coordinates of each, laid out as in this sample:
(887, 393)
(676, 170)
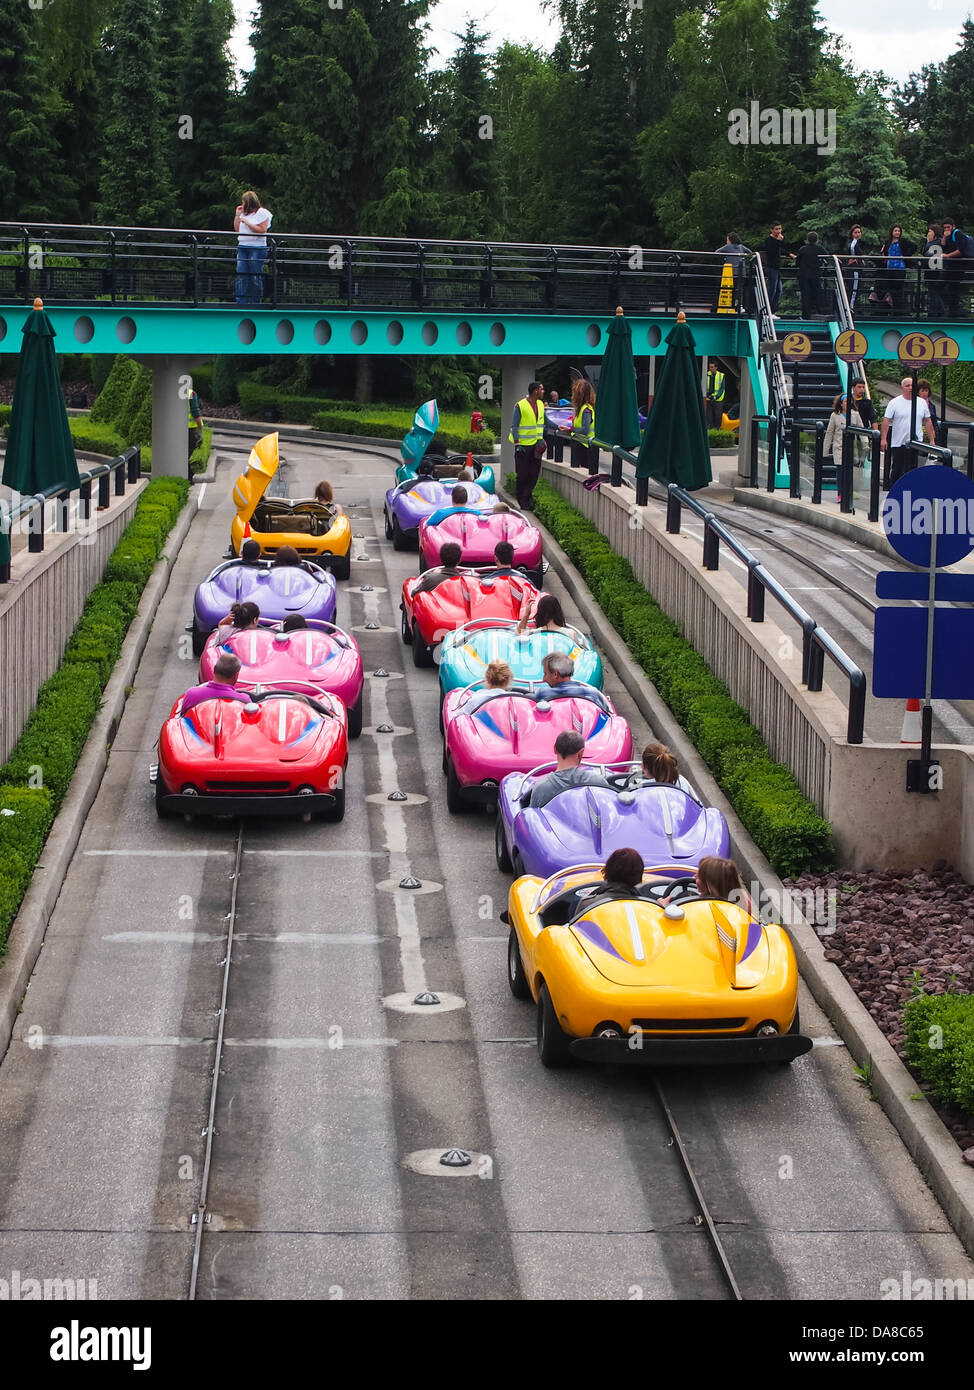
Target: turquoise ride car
(465, 653)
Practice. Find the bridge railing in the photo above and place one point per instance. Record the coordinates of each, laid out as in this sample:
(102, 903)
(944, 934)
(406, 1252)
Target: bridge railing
(174, 266)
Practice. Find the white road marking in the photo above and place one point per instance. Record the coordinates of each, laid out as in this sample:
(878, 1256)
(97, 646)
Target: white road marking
(284, 938)
(156, 853)
(329, 1044)
(200, 495)
(321, 853)
(394, 829)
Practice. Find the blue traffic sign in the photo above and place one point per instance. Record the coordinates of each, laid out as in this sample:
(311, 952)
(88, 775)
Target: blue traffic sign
(924, 499)
(900, 655)
(926, 651)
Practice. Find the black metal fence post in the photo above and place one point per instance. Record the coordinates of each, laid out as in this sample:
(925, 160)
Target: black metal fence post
(711, 546)
(616, 469)
(104, 495)
(135, 464)
(794, 461)
(642, 492)
(845, 474)
(674, 511)
(593, 453)
(755, 595)
(120, 479)
(35, 532)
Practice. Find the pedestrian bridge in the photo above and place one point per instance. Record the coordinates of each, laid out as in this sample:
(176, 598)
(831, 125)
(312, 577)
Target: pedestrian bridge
(169, 298)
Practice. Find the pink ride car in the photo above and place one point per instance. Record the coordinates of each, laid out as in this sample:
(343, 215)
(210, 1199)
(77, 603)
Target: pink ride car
(514, 731)
(477, 536)
(320, 657)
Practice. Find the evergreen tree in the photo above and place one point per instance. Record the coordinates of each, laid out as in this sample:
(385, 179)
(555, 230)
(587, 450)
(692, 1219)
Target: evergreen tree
(204, 94)
(463, 172)
(33, 185)
(341, 150)
(935, 109)
(800, 40)
(135, 185)
(865, 180)
(531, 91)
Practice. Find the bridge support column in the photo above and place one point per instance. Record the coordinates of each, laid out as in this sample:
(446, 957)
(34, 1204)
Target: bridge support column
(517, 373)
(744, 431)
(170, 413)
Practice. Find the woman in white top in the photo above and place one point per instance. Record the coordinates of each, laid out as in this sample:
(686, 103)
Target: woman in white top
(250, 222)
(836, 429)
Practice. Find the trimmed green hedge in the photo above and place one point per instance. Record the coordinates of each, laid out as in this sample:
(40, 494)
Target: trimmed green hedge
(722, 439)
(781, 820)
(380, 426)
(939, 1045)
(36, 777)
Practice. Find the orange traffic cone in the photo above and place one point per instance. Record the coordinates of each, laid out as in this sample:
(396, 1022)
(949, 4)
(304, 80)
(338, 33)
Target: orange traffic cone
(470, 459)
(912, 725)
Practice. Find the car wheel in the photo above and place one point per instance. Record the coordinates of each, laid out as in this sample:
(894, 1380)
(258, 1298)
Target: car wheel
(341, 566)
(336, 812)
(388, 523)
(442, 725)
(552, 1039)
(406, 627)
(199, 639)
(422, 654)
(399, 541)
(163, 812)
(455, 803)
(517, 865)
(355, 715)
(500, 846)
(516, 977)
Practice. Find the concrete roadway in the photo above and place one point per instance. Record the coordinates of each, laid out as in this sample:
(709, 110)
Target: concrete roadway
(573, 1193)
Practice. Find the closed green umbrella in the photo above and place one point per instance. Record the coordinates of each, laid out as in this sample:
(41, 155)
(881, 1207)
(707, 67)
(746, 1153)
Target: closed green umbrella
(617, 409)
(675, 445)
(40, 450)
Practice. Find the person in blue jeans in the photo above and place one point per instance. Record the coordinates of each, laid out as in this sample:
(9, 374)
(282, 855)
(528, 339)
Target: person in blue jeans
(250, 222)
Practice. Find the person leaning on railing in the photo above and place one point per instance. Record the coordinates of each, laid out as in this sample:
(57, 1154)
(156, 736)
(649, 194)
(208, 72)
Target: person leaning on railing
(583, 404)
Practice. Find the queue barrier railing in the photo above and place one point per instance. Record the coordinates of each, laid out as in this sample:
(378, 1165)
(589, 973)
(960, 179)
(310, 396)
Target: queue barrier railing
(125, 469)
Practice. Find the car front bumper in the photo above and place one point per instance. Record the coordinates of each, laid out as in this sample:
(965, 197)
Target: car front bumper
(240, 804)
(648, 1050)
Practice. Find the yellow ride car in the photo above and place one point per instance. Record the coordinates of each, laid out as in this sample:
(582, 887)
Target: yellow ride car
(313, 528)
(635, 979)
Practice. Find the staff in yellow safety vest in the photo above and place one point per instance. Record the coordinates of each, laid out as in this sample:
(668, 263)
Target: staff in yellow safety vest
(583, 404)
(714, 404)
(195, 421)
(527, 436)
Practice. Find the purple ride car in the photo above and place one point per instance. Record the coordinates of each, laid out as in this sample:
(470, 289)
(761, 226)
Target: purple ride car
(583, 825)
(277, 590)
(411, 502)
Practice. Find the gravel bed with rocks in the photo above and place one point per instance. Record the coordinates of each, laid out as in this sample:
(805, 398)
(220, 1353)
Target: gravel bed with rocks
(896, 931)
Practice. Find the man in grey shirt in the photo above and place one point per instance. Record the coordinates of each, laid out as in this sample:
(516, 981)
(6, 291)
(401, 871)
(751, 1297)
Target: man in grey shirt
(559, 670)
(569, 747)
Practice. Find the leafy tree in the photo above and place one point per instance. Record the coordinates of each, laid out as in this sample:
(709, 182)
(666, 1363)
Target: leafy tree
(33, 186)
(135, 186)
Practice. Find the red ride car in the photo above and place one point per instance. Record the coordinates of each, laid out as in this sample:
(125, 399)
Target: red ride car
(281, 754)
(427, 617)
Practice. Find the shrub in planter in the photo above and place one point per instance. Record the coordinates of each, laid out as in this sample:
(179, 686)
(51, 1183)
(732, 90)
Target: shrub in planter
(111, 399)
(25, 830)
(939, 1045)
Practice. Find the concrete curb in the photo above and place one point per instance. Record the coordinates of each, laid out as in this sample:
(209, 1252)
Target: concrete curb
(927, 1139)
(28, 928)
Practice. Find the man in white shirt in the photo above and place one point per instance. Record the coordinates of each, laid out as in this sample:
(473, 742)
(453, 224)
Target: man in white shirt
(897, 417)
